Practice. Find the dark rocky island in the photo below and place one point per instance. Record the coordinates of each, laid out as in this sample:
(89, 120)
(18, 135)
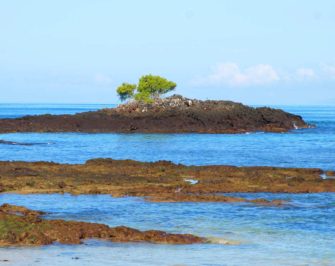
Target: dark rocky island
(174, 114)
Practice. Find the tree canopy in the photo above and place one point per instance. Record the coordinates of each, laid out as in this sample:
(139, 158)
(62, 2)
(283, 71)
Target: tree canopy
(126, 91)
(149, 87)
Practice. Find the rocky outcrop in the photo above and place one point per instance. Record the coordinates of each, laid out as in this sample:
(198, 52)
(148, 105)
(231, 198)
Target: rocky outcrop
(21, 226)
(160, 181)
(170, 115)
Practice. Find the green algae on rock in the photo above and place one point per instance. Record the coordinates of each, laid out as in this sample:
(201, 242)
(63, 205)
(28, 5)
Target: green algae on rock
(160, 181)
(20, 226)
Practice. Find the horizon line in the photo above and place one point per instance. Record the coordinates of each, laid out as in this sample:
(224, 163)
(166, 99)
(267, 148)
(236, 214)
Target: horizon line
(92, 103)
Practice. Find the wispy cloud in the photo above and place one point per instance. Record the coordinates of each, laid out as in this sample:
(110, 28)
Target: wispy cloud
(328, 70)
(232, 74)
(306, 73)
(102, 79)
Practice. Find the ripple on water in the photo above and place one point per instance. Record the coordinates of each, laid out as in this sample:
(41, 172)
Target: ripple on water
(265, 235)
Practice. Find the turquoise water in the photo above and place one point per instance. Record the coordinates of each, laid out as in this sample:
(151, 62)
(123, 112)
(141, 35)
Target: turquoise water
(302, 233)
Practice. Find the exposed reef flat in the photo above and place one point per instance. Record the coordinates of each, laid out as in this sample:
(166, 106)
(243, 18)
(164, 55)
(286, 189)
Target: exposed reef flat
(160, 181)
(174, 114)
(21, 226)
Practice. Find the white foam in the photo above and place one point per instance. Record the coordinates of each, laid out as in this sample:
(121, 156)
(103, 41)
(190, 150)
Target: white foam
(295, 126)
(191, 181)
(324, 176)
(222, 241)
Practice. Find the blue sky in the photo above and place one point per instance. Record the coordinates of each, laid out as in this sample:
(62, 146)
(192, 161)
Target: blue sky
(256, 52)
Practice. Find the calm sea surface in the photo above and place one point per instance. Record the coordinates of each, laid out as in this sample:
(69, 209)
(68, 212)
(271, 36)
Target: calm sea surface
(313, 147)
(302, 233)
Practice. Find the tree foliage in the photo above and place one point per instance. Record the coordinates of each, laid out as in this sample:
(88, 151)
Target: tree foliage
(126, 91)
(149, 87)
(143, 97)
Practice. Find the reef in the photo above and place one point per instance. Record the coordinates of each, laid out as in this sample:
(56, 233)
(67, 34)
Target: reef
(174, 114)
(20, 226)
(161, 181)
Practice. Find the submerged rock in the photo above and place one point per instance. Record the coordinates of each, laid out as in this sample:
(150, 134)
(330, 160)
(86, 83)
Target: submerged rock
(170, 115)
(6, 142)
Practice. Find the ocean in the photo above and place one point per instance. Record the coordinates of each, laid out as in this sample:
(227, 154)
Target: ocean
(302, 233)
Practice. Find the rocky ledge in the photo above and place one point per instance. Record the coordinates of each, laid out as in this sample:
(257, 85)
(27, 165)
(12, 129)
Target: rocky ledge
(161, 181)
(174, 114)
(21, 226)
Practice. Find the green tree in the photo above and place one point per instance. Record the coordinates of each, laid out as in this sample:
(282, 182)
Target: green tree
(155, 85)
(149, 87)
(143, 97)
(126, 91)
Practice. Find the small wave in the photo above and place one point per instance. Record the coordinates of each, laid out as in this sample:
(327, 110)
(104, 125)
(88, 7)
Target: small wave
(253, 132)
(222, 241)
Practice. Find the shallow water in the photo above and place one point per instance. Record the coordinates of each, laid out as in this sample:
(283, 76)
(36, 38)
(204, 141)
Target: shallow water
(313, 147)
(302, 233)
(298, 234)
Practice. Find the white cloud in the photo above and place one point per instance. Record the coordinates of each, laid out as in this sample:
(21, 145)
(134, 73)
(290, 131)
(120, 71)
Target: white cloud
(329, 70)
(306, 73)
(231, 74)
(102, 79)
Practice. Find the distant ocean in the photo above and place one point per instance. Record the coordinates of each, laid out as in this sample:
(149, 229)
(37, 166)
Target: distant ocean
(313, 147)
(302, 233)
